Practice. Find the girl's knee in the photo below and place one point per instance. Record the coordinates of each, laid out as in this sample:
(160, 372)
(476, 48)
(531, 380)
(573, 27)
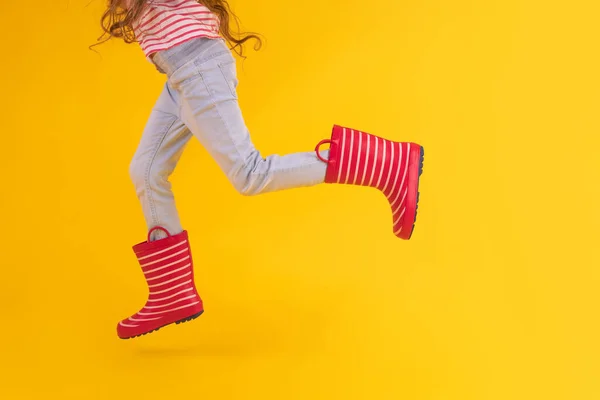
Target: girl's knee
(137, 172)
(243, 183)
(249, 178)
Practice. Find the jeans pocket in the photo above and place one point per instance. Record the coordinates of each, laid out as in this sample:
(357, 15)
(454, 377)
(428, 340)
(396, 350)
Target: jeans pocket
(229, 73)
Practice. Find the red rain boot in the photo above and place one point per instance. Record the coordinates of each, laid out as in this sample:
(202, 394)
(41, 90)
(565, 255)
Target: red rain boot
(359, 158)
(168, 268)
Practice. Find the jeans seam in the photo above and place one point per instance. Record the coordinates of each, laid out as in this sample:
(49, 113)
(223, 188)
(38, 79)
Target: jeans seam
(163, 112)
(196, 62)
(199, 63)
(289, 169)
(215, 104)
(231, 90)
(149, 166)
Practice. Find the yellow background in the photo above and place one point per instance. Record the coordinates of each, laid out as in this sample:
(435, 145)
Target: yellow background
(308, 294)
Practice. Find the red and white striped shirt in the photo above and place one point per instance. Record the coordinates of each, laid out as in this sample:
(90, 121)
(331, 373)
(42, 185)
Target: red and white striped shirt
(165, 24)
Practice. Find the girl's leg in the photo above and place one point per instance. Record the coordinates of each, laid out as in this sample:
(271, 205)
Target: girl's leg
(209, 107)
(166, 262)
(160, 148)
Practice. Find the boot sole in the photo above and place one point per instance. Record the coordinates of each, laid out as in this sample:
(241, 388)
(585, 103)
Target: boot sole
(181, 321)
(418, 195)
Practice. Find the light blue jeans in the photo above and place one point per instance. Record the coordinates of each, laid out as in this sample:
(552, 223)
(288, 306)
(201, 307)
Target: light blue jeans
(199, 99)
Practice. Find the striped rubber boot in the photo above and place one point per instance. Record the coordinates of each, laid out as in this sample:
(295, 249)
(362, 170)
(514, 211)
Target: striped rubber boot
(358, 158)
(168, 268)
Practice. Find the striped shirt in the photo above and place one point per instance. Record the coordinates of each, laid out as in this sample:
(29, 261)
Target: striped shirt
(167, 23)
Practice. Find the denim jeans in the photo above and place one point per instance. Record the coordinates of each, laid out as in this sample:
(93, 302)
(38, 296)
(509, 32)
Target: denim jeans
(199, 99)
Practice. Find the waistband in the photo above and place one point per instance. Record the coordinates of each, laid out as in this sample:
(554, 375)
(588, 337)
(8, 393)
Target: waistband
(201, 48)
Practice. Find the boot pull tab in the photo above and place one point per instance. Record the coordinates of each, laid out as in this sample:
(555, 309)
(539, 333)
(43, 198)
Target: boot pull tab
(157, 228)
(317, 149)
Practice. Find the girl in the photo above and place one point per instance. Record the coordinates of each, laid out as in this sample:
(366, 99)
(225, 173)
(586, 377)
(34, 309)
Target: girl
(187, 41)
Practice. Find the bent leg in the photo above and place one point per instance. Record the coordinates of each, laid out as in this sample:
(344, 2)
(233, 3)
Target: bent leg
(209, 107)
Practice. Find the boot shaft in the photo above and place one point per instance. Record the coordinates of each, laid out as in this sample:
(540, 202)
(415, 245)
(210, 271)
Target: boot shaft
(364, 159)
(168, 268)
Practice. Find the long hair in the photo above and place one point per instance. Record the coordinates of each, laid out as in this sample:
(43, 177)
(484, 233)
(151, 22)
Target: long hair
(118, 19)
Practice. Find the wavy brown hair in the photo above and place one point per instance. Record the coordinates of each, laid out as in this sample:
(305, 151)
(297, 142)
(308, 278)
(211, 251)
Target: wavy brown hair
(117, 22)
